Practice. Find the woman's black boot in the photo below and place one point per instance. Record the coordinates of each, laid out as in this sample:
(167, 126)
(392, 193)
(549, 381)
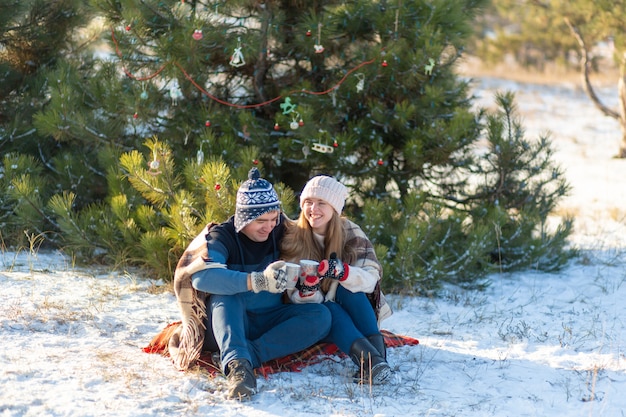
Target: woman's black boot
(373, 368)
(378, 341)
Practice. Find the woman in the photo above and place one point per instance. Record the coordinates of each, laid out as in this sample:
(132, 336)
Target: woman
(349, 273)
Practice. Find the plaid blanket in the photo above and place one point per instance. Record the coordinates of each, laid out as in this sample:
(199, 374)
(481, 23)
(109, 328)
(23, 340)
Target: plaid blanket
(290, 363)
(184, 343)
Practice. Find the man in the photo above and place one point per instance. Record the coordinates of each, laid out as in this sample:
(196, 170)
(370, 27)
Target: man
(245, 311)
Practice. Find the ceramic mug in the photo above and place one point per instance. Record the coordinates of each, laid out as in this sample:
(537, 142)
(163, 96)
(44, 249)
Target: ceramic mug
(293, 273)
(308, 267)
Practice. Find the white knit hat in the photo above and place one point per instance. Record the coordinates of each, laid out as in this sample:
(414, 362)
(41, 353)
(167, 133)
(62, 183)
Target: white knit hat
(328, 189)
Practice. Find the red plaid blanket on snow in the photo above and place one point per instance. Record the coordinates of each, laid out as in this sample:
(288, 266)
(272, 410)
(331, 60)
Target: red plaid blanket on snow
(291, 363)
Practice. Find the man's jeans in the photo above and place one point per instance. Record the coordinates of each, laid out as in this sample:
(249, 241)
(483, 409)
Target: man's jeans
(262, 335)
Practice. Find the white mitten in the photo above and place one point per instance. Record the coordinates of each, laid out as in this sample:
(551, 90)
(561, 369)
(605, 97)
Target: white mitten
(298, 298)
(272, 279)
(308, 290)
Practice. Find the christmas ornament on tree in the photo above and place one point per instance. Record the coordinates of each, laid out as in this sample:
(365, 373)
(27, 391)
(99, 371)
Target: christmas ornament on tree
(428, 68)
(288, 106)
(237, 59)
(153, 166)
(361, 84)
(295, 124)
(197, 34)
(175, 94)
(200, 155)
(318, 47)
(321, 148)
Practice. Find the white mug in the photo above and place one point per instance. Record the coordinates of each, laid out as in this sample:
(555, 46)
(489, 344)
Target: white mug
(308, 267)
(293, 272)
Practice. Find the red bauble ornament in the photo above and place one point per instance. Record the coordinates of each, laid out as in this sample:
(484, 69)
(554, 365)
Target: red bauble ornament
(217, 187)
(255, 162)
(276, 127)
(380, 162)
(127, 28)
(207, 123)
(385, 63)
(197, 34)
(301, 122)
(135, 116)
(335, 144)
(308, 33)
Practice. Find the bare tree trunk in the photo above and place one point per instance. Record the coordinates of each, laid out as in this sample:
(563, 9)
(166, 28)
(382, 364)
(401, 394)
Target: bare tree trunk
(621, 87)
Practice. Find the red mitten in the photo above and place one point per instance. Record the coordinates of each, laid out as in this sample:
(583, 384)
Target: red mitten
(333, 268)
(323, 268)
(345, 271)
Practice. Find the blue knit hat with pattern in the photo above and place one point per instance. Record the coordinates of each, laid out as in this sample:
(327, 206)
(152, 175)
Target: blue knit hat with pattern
(255, 197)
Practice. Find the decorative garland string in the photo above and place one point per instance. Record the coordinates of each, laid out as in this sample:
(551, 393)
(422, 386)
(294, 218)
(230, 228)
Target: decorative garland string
(225, 103)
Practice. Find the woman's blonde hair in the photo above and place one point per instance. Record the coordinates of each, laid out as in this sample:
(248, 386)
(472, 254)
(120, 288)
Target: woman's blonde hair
(299, 242)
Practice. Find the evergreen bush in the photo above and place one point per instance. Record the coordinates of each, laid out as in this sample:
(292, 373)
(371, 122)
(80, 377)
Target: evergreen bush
(137, 150)
(493, 215)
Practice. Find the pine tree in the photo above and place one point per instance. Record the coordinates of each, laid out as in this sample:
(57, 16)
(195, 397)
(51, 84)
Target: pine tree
(358, 89)
(493, 214)
(38, 40)
(194, 93)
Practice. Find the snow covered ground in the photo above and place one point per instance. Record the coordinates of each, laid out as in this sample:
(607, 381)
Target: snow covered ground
(533, 344)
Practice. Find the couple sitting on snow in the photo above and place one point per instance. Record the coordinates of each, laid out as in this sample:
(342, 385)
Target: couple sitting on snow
(249, 314)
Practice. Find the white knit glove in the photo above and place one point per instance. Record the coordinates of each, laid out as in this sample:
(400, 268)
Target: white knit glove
(272, 279)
